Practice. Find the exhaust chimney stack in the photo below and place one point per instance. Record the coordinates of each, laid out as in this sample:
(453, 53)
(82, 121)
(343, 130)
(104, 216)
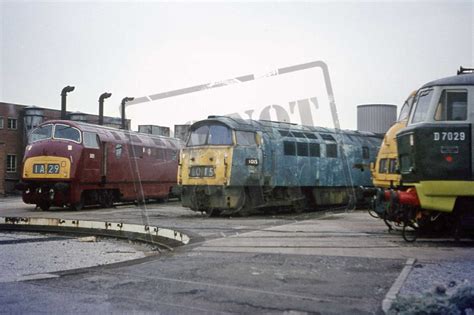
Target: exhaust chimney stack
(64, 92)
(101, 106)
(125, 100)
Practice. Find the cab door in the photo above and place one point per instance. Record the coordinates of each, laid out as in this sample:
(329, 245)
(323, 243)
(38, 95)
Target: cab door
(247, 170)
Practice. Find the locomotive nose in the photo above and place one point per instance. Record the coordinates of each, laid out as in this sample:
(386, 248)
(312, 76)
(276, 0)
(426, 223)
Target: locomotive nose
(49, 167)
(205, 166)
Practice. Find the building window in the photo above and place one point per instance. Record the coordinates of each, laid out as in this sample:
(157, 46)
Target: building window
(11, 163)
(1, 122)
(11, 123)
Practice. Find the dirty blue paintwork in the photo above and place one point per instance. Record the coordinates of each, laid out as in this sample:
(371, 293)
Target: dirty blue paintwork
(277, 169)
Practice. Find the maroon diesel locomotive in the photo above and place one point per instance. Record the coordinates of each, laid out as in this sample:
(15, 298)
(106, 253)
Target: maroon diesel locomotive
(70, 163)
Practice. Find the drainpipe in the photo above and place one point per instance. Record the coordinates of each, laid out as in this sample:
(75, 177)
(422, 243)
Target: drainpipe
(126, 99)
(64, 92)
(101, 106)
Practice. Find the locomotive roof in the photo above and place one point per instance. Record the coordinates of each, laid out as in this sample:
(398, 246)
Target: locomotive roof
(268, 126)
(460, 79)
(94, 128)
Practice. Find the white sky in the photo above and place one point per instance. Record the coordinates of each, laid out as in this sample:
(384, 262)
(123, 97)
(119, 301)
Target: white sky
(377, 52)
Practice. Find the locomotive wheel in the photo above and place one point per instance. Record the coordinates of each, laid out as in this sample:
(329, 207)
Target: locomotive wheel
(44, 205)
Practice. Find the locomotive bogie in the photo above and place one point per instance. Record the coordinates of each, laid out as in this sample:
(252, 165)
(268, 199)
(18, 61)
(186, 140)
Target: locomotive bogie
(217, 199)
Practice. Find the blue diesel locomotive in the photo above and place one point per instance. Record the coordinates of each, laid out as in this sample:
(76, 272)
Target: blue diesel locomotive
(232, 165)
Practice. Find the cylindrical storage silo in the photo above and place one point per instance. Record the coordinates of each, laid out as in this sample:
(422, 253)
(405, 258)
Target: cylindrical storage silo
(376, 117)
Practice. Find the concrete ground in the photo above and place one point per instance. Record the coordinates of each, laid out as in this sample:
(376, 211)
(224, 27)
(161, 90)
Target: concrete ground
(340, 263)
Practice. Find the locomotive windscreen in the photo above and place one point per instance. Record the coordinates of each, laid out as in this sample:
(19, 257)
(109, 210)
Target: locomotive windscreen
(66, 132)
(57, 131)
(41, 133)
(210, 135)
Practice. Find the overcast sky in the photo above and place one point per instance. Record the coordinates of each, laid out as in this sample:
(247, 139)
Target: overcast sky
(377, 52)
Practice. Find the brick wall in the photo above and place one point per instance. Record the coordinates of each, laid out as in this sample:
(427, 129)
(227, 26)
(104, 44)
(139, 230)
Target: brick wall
(3, 163)
(13, 143)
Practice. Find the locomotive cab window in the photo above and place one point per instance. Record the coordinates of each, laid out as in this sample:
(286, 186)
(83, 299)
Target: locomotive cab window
(392, 167)
(211, 135)
(219, 135)
(65, 132)
(41, 133)
(422, 105)
(91, 140)
(383, 167)
(452, 106)
(405, 111)
(245, 138)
